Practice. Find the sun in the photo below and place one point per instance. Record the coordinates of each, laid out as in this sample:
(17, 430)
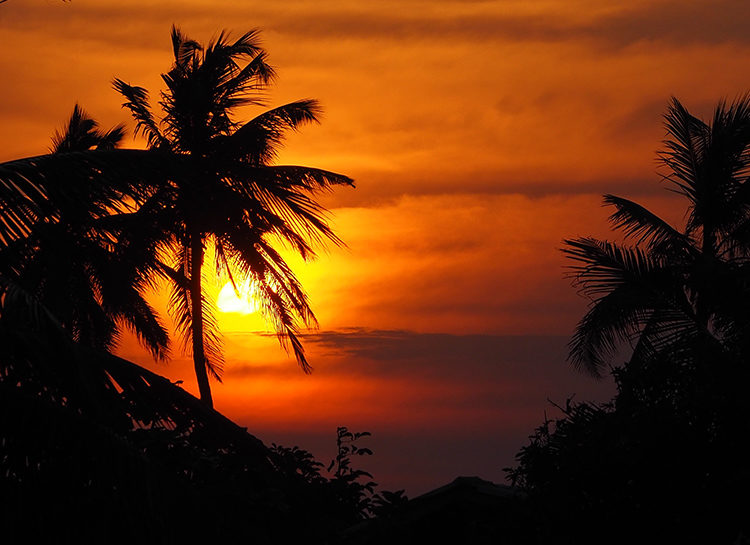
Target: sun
(228, 301)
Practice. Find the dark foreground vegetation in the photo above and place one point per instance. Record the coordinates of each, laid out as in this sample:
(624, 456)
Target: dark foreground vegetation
(667, 460)
(95, 449)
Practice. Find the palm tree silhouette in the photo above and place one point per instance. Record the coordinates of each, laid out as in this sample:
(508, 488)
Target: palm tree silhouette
(82, 133)
(80, 265)
(229, 196)
(73, 258)
(672, 289)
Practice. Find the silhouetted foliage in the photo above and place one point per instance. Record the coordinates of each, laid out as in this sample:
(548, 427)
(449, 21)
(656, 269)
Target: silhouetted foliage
(342, 498)
(96, 448)
(80, 258)
(231, 197)
(354, 493)
(671, 285)
(666, 460)
(91, 442)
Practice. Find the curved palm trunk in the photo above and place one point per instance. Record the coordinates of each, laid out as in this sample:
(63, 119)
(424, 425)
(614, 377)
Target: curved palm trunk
(196, 303)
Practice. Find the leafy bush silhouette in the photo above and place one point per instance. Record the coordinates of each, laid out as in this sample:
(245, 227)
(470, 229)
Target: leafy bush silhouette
(665, 460)
(345, 496)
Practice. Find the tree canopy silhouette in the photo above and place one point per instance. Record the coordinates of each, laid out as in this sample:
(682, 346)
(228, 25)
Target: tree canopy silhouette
(664, 460)
(83, 265)
(672, 288)
(230, 197)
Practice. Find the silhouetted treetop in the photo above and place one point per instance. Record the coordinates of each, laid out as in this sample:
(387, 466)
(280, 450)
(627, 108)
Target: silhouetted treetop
(232, 199)
(670, 285)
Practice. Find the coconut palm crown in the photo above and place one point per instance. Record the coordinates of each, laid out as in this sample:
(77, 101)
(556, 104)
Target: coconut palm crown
(670, 289)
(75, 258)
(227, 194)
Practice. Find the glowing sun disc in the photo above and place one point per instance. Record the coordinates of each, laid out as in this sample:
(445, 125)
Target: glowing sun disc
(228, 301)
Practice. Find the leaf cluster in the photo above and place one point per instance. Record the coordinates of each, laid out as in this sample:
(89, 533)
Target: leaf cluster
(230, 197)
(92, 441)
(664, 285)
(665, 460)
(662, 461)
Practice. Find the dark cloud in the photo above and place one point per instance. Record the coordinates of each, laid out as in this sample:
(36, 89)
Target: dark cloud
(387, 345)
(528, 362)
(379, 189)
(670, 22)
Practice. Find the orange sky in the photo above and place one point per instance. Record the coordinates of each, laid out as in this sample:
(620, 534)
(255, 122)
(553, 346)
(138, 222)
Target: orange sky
(480, 134)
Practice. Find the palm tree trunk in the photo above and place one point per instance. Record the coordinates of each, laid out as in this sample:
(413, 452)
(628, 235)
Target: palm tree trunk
(196, 303)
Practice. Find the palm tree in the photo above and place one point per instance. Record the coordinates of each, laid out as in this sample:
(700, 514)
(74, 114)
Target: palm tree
(673, 289)
(72, 263)
(82, 133)
(80, 264)
(229, 196)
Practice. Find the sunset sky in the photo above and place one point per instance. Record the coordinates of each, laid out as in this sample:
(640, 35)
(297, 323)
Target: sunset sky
(480, 134)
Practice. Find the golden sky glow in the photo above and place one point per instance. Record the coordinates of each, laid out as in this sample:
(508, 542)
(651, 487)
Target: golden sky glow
(479, 133)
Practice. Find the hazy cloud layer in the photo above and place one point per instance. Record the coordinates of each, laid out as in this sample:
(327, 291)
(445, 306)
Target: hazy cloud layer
(670, 22)
(420, 97)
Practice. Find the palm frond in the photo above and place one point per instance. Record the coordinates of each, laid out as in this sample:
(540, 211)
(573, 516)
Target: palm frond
(313, 180)
(643, 225)
(633, 297)
(281, 190)
(178, 304)
(615, 318)
(247, 44)
(24, 199)
(183, 48)
(223, 262)
(82, 133)
(259, 139)
(606, 266)
(112, 138)
(283, 301)
(212, 342)
(688, 140)
(137, 103)
(296, 220)
(222, 59)
(667, 331)
(276, 310)
(255, 75)
(34, 189)
(142, 319)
